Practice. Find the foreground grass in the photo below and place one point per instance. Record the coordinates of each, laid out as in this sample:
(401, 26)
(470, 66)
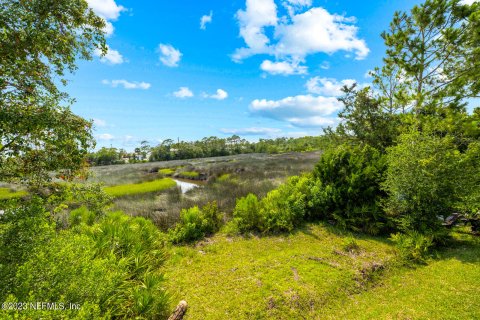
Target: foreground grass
(140, 188)
(7, 194)
(279, 277)
(448, 287)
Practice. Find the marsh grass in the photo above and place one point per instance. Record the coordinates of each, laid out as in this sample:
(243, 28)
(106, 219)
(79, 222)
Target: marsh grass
(7, 194)
(140, 188)
(228, 178)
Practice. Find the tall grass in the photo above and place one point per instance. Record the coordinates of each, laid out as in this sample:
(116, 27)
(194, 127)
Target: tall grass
(140, 188)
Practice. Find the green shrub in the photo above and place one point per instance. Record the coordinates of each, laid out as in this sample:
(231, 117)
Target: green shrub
(195, 224)
(247, 214)
(349, 191)
(283, 208)
(81, 215)
(25, 228)
(413, 247)
(350, 244)
(423, 181)
(111, 269)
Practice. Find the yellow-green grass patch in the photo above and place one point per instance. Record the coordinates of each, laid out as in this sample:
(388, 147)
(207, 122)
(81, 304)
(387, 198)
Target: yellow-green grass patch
(7, 194)
(189, 174)
(166, 171)
(140, 188)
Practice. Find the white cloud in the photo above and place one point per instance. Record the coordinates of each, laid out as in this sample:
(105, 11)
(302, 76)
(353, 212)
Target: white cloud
(108, 29)
(294, 38)
(283, 67)
(468, 2)
(106, 9)
(169, 56)
(183, 92)
(257, 15)
(127, 84)
(325, 65)
(205, 19)
(105, 137)
(300, 111)
(112, 56)
(327, 86)
(254, 131)
(99, 122)
(219, 95)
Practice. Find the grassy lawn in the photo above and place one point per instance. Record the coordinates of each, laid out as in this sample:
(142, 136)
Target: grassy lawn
(278, 277)
(7, 194)
(448, 287)
(140, 188)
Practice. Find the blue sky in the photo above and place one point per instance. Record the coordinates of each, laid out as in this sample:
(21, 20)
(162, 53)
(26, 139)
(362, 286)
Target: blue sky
(256, 68)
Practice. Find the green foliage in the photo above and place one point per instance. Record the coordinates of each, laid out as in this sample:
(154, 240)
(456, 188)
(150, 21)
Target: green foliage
(139, 188)
(81, 215)
(196, 223)
(413, 246)
(350, 244)
(111, 269)
(423, 181)
(39, 41)
(8, 194)
(247, 214)
(283, 208)
(350, 193)
(24, 228)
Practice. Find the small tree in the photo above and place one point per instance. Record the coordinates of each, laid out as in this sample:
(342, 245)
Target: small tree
(423, 181)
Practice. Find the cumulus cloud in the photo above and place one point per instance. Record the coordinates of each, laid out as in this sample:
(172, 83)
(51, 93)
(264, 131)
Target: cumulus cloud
(108, 10)
(327, 86)
(206, 19)
(219, 95)
(99, 122)
(105, 137)
(183, 92)
(254, 131)
(283, 67)
(111, 57)
(294, 38)
(299, 111)
(127, 84)
(169, 56)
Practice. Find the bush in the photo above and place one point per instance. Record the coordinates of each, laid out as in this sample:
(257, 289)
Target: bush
(423, 181)
(283, 208)
(349, 190)
(111, 269)
(25, 228)
(81, 215)
(195, 224)
(413, 247)
(247, 214)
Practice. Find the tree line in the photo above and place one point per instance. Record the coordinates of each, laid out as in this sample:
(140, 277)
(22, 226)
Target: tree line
(206, 147)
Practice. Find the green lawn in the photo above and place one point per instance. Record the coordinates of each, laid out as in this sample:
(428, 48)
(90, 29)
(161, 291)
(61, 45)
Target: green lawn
(448, 287)
(309, 275)
(278, 277)
(139, 188)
